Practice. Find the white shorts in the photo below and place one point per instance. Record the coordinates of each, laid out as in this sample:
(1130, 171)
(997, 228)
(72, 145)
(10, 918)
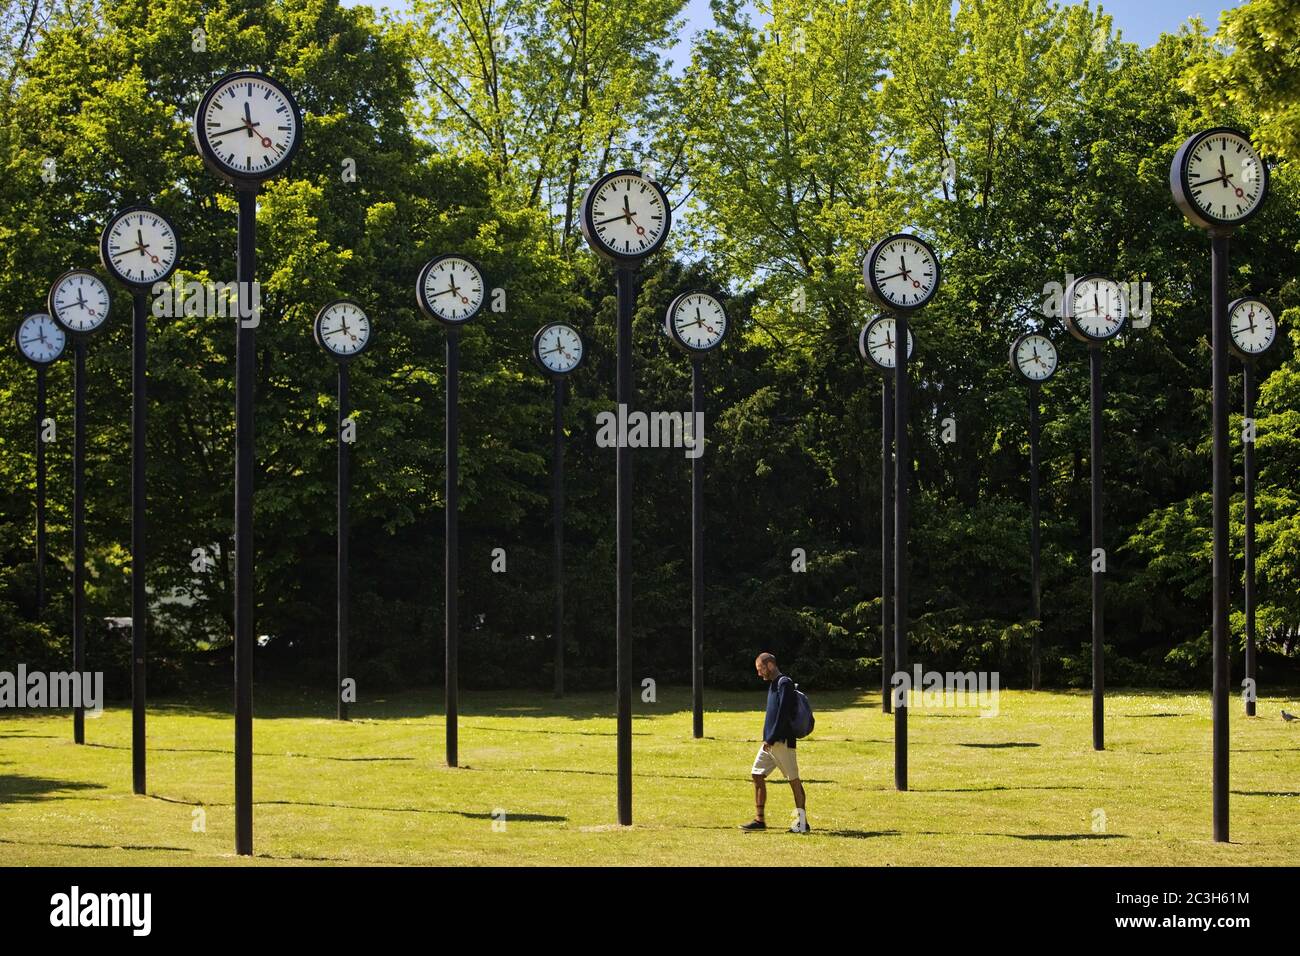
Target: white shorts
(779, 756)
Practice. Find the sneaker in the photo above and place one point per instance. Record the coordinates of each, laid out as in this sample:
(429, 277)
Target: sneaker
(806, 828)
(754, 825)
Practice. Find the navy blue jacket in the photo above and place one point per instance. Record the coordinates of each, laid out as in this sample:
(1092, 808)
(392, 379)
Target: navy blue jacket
(780, 712)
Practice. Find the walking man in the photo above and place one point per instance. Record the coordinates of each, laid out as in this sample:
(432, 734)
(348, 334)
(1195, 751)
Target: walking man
(778, 745)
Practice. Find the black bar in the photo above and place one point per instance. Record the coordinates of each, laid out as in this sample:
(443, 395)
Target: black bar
(139, 561)
(40, 491)
(557, 523)
(1222, 565)
(626, 281)
(1098, 577)
(1248, 466)
(902, 474)
(886, 545)
(697, 552)
(344, 491)
(452, 544)
(245, 378)
(1035, 585)
(79, 529)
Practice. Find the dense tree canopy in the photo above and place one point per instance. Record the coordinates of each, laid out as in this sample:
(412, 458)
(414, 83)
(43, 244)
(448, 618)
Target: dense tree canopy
(1026, 139)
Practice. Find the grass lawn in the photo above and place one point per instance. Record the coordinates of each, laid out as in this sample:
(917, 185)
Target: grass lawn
(1022, 787)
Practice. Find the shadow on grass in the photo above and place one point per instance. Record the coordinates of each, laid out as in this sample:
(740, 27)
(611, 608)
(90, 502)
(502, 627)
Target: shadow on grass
(18, 788)
(1009, 743)
(988, 789)
(1267, 793)
(1058, 837)
(96, 846)
(470, 815)
(223, 750)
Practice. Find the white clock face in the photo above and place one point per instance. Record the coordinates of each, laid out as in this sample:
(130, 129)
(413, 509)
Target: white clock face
(1036, 357)
(1253, 327)
(343, 328)
(40, 339)
(139, 247)
(877, 342)
(559, 348)
(1099, 306)
(903, 272)
(79, 301)
(1225, 177)
(452, 289)
(699, 320)
(250, 126)
(628, 215)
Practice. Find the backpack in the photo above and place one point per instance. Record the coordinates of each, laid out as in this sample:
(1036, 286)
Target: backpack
(802, 723)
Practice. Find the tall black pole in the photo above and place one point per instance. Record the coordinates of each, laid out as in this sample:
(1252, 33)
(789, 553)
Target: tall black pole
(40, 490)
(557, 524)
(79, 529)
(902, 473)
(626, 281)
(245, 378)
(1098, 576)
(139, 599)
(452, 543)
(697, 552)
(1222, 489)
(1035, 586)
(343, 498)
(1248, 466)
(886, 544)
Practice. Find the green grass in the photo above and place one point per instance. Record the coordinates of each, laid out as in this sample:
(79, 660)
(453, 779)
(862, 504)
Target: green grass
(1019, 788)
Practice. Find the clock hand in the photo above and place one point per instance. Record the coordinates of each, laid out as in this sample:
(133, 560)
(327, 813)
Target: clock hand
(887, 278)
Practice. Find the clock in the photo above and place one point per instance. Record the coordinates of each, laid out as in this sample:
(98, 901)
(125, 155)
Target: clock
(1217, 178)
(342, 329)
(450, 289)
(1034, 356)
(139, 247)
(1252, 328)
(79, 301)
(696, 322)
(901, 272)
(876, 343)
(558, 348)
(1095, 308)
(247, 127)
(39, 338)
(625, 216)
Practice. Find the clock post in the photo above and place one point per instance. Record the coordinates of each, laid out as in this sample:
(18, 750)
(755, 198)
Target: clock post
(264, 126)
(1218, 182)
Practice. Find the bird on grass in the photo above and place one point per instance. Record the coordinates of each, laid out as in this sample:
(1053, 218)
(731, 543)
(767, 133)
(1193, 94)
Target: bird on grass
(1289, 717)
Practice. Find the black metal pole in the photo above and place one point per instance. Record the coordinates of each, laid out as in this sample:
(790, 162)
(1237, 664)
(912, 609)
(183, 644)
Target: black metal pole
(697, 552)
(452, 543)
(343, 499)
(886, 544)
(626, 282)
(79, 529)
(1035, 587)
(139, 597)
(557, 523)
(1098, 577)
(1248, 467)
(40, 491)
(902, 471)
(245, 378)
(1222, 566)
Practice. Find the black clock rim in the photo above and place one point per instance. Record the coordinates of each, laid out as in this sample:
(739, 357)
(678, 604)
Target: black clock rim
(1242, 354)
(537, 351)
(27, 358)
(866, 353)
(106, 261)
(1067, 311)
(671, 326)
(210, 158)
(427, 309)
(1015, 366)
(320, 340)
(49, 304)
(589, 229)
(868, 272)
(1181, 187)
